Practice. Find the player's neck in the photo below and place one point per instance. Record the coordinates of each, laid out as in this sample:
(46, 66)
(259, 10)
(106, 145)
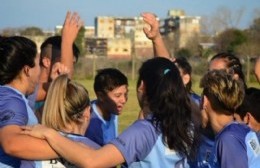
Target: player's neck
(75, 129)
(219, 121)
(44, 75)
(103, 111)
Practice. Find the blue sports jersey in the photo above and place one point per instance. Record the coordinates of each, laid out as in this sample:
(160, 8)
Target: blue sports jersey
(14, 111)
(142, 146)
(100, 130)
(60, 163)
(205, 153)
(236, 146)
(196, 98)
(258, 136)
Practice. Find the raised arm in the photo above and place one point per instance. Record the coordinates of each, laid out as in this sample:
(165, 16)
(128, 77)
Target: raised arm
(154, 35)
(71, 27)
(78, 154)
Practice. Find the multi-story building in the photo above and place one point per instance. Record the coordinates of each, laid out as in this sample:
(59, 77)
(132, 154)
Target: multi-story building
(105, 27)
(89, 31)
(124, 27)
(123, 37)
(180, 27)
(96, 46)
(119, 48)
(118, 28)
(58, 29)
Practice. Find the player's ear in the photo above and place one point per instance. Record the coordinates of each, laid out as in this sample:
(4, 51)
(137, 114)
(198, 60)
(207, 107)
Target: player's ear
(46, 62)
(186, 79)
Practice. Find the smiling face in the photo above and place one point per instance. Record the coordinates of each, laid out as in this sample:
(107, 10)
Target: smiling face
(115, 100)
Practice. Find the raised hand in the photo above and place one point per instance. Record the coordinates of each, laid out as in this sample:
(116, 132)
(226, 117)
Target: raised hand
(58, 69)
(153, 32)
(71, 27)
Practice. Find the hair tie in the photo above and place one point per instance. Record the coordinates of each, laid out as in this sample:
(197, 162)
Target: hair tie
(166, 71)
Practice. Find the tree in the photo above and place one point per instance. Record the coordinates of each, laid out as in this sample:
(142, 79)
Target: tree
(183, 52)
(192, 44)
(254, 31)
(32, 31)
(10, 31)
(80, 41)
(250, 49)
(229, 40)
(223, 18)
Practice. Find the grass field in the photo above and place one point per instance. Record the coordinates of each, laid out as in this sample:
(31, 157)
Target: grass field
(131, 109)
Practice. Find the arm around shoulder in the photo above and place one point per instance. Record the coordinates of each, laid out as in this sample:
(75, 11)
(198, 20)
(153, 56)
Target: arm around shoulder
(23, 146)
(81, 156)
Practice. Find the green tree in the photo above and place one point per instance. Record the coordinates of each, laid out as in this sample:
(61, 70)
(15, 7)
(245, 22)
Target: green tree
(183, 52)
(32, 31)
(229, 40)
(80, 41)
(254, 31)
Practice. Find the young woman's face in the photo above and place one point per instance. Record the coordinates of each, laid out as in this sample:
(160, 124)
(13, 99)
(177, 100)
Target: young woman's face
(117, 98)
(217, 64)
(34, 75)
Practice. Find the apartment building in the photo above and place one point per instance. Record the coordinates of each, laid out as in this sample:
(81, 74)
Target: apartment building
(180, 27)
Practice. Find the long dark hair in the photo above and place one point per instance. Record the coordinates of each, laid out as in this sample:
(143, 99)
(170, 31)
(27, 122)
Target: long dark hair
(15, 53)
(183, 64)
(170, 104)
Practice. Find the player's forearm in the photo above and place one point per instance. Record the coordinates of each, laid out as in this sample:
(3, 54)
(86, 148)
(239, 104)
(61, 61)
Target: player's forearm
(67, 55)
(160, 48)
(69, 150)
(26, 147)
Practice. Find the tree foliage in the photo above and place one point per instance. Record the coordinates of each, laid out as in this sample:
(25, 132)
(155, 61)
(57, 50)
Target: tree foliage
(32, 31)
(251, 47)
(229, 40)
(183, 52)
(254, 31)
(80, 42)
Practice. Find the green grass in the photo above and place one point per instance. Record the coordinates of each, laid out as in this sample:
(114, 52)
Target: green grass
(131, 109)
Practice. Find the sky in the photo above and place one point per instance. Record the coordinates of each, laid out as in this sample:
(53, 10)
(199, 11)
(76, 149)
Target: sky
(46, 14)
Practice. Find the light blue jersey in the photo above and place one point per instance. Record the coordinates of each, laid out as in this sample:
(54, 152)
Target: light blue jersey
(100, 130)
(15, 110)
(60, 163)
(236, 146)
(142, 146)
